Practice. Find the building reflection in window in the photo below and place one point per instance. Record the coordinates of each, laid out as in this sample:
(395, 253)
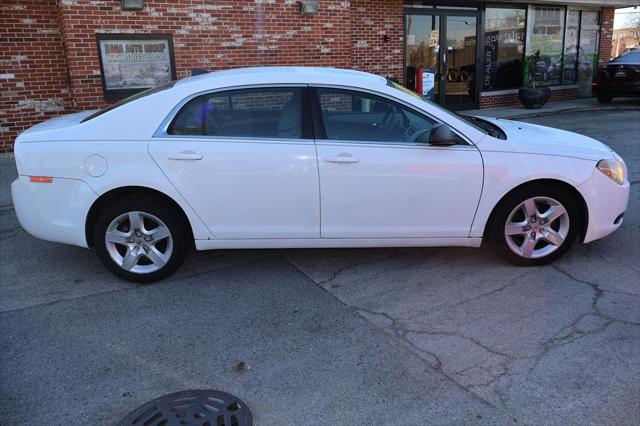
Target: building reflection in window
(546, 34)
(504, 34)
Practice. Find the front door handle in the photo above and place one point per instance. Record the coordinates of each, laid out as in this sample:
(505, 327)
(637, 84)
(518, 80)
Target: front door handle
(344, 158)
(185, 155)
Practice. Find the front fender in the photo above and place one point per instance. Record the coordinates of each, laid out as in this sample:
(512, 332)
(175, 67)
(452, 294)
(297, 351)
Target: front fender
(505, 171)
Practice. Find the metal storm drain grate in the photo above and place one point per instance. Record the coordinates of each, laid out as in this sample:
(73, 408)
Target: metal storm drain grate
(192, 407)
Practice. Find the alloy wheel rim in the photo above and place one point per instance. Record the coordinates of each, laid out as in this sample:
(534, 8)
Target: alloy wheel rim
(139, 242)
(537, 227)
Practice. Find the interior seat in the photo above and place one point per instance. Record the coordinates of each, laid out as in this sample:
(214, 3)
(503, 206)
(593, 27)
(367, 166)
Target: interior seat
(289, 125)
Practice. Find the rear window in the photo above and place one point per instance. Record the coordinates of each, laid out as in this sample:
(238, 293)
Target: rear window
(135, 97)
(633, 56)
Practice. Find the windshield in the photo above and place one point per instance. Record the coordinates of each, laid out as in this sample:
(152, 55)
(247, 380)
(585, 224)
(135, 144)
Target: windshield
(131, 99)
(489, 127)
(395, 85)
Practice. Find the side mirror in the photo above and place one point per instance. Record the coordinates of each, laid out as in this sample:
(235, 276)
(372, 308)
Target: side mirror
(441, 135)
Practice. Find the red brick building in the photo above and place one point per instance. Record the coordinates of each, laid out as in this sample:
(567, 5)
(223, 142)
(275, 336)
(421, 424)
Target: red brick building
(623, 40)
(50, 62)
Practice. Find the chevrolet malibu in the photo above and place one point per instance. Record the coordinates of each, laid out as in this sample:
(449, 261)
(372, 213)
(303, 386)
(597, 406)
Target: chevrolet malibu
(306, 157)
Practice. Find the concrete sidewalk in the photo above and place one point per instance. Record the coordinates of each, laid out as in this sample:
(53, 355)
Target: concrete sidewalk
(556, 107)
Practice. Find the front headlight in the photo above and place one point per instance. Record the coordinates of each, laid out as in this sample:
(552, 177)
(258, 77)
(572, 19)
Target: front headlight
(613, 169)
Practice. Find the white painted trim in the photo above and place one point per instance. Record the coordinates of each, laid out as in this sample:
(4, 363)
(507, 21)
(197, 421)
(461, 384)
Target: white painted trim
(601, 3)
(515, 91)
(499, 92)
(563, 87)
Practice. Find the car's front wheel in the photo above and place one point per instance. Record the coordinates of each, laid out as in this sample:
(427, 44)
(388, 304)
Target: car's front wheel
(140, 240)
(534, 226)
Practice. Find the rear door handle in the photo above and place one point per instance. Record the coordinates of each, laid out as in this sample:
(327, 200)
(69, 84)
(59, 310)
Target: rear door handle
(185, 155)
(344, 158)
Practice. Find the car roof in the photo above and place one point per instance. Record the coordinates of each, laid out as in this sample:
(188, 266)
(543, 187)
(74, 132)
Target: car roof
(150, 110)
(279, 75)
(631, 57)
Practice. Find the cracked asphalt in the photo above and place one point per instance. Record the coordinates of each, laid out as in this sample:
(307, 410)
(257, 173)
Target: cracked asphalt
(361, 336)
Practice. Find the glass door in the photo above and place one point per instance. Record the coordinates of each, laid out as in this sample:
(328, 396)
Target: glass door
(459, 60)
(440, 56)
(587, 61)
(581, 49)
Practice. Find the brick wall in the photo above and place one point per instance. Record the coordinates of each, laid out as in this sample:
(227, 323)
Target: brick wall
(33, 71)
(377, 37)
(211, 35)
(49, 60)
(511, 99)
(606, 33)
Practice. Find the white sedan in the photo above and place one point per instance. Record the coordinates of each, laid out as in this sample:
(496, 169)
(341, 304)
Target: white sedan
(306, 157)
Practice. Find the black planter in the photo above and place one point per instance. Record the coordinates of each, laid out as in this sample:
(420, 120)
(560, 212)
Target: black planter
(534, 98)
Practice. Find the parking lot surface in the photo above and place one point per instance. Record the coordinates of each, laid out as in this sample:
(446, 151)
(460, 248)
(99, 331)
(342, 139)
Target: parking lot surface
(362, 336)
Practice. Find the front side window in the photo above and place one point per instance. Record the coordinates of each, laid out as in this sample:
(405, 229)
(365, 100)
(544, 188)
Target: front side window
(259, 113)
(504, 32)
(357, 116)
(432, 104)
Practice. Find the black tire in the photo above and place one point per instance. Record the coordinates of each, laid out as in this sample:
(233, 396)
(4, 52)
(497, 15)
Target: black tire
(173, 220)
(495, 232)
(603, 98)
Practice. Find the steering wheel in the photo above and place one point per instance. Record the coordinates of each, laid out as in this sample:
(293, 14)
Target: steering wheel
(383, 123)
(406, 122)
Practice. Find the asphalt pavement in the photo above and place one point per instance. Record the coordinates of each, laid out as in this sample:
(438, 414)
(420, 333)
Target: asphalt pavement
(315, 337)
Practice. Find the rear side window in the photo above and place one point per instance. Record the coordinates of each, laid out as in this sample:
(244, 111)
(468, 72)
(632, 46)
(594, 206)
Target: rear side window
(189, 120)
(357, 116)
(259, 113)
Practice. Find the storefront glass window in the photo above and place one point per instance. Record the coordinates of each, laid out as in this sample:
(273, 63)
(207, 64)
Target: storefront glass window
(504, 32)
(581, 49)
(545, 33)
(571, 47)
(588, 51)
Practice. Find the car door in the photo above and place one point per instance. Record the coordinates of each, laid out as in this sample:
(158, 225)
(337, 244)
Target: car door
(245, 161)
(377, 182)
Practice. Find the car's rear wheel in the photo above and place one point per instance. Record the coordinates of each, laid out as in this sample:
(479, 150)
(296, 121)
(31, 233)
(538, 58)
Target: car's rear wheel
(140, 240)
(603, 98)
(534, 226)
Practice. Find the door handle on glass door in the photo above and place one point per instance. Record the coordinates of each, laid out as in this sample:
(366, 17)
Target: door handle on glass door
(185, 155)
(342, 158)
